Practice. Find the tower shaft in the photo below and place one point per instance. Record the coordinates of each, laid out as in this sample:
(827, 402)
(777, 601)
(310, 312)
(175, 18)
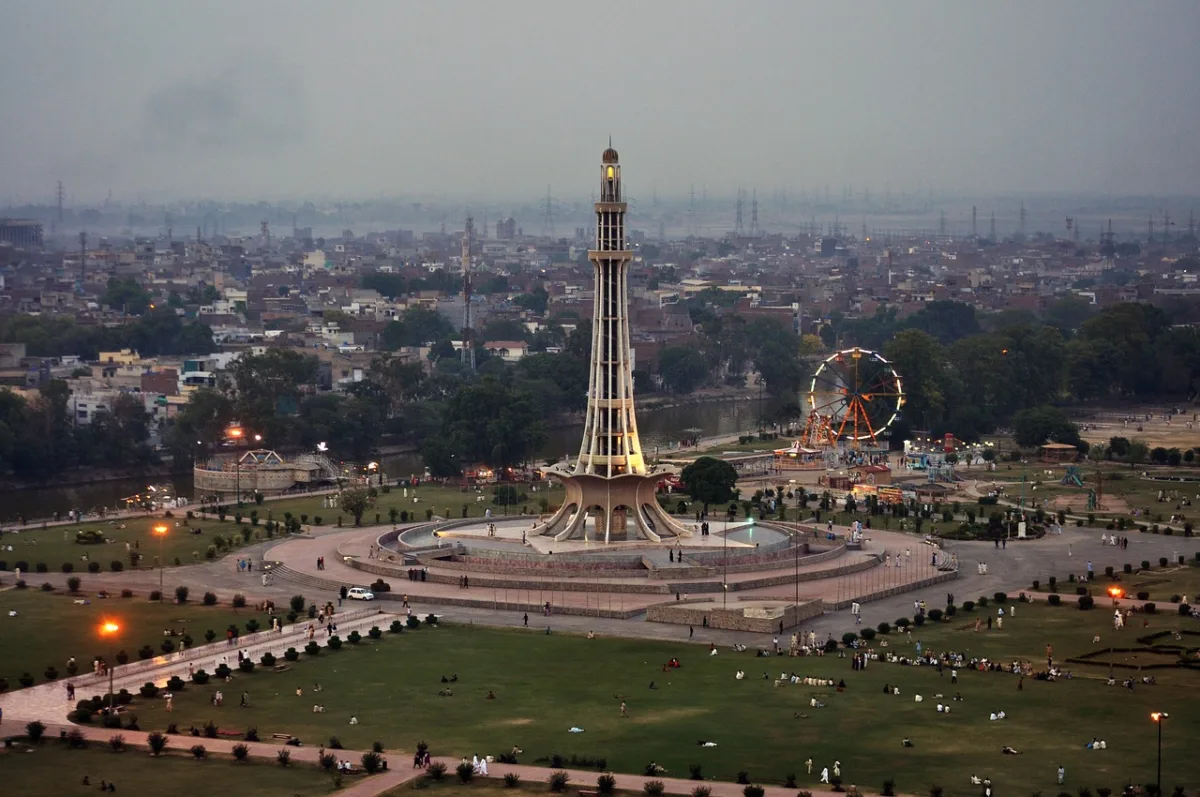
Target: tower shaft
(610, 444)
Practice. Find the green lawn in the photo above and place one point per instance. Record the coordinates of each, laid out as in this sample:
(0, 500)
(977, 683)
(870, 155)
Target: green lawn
(484, 787)
(444, 501)
(52, 768)
(1165, 584)
(547, 684)
(50, 627)
(183, 544)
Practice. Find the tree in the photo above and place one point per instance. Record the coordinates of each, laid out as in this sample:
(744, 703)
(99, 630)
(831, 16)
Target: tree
(920, 361)
(389, 285)
(126, 295)
(1039, 425)
(947, 321)
(682, 368)
(535, 301)
(1137, 452)
(355, 502)
(710, 481)
(780, 368)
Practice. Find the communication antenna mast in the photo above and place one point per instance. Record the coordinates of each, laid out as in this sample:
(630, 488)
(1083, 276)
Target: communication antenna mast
(1108, 248)
(82, 256)
(548, 216)
(1022, 221)
(691, 222)
(992, 229)
(737, 224)
(59, 196)
(754, 230)
(974, 228)
(468, 346)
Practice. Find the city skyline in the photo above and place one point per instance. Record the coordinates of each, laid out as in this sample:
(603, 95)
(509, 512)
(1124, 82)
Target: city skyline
(260, 101)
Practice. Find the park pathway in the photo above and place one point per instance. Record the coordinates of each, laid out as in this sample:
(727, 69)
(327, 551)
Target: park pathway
(400, 769)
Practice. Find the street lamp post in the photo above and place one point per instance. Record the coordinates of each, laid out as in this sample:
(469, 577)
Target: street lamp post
(236, 433)
(1158, 717)
(160, 531)
(109, 629)
(725, 565)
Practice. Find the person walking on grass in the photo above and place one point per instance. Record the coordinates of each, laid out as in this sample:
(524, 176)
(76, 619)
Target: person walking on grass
(1062, 774)
(624, 711)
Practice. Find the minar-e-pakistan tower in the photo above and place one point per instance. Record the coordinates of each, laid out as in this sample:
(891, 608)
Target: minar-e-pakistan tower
(609, 483)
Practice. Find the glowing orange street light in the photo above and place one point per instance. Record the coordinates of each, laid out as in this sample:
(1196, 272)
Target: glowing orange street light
(109, 629)
(160, 531)
(236, 433)
(1158, 717)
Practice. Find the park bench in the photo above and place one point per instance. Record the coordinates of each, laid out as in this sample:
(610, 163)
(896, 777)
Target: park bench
(588, 793)
(282, 737)
(282, 667)
(229, 733)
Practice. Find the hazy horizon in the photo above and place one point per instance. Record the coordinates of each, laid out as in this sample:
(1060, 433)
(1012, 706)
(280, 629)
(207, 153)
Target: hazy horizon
(372, 98)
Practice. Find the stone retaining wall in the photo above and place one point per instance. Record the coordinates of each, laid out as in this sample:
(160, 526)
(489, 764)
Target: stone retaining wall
(398, 576)
(772, 581)
(534, 610)
(940, 578)
(733, 619)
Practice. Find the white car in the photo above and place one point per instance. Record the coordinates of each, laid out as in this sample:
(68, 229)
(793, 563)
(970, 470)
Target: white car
(360, 594)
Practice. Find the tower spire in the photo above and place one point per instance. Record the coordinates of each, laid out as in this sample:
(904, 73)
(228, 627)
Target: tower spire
(609, 483)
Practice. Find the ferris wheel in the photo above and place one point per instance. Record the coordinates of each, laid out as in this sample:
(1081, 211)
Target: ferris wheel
(859, 392)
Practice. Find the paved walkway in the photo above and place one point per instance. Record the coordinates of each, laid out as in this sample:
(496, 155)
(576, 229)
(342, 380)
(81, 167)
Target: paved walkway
(47, 702)
(400, 769)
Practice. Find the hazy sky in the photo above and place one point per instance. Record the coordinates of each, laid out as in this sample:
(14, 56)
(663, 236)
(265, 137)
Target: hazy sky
(309, 98)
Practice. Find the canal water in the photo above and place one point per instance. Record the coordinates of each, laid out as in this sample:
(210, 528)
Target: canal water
(660, 429)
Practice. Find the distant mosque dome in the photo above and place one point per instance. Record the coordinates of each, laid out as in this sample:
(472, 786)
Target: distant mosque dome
(610, 156)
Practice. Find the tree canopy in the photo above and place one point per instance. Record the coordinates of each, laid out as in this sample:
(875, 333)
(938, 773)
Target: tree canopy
(710, 481)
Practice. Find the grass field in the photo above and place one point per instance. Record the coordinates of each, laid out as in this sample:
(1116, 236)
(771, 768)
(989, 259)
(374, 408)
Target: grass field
(444, 501)
(52, 768)
(56, 545)
(50, 627)
(547, 684)
(1164, 583)
(484, 787)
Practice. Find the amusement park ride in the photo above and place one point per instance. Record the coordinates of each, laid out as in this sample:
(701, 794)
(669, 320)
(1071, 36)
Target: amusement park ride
(855, 396)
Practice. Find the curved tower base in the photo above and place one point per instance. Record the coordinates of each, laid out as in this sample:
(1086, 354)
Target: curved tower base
(615, 509)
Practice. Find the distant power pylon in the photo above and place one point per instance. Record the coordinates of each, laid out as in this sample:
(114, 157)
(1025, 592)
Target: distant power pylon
(974, 227)
(737, 224)
(82, 256)
(992, 229)
(59, 196)
(754, 229)
(468, 343)
(548, 216)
